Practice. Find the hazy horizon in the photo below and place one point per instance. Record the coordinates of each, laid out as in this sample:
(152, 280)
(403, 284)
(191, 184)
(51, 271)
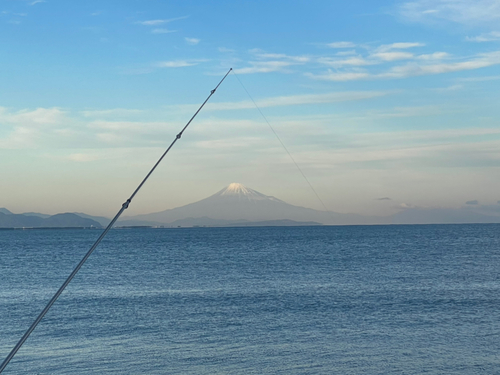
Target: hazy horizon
(385, 106)
(197, 213)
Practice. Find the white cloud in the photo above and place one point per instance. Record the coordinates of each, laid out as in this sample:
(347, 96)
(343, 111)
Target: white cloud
(479, 79)
(488, 37)
(192, 41)
(159, 21)
(279, 101)
(120, 112)
(271, 62)
(400, 45)
(131, 133)
(338, 63)
(297, 59)
(346, 53)
(26, 128)
(476, 12)
(409, 70)
(434, 56)
(341, 45)
(264, 67)
(449, 88)
(177, 63)
(282, 101)
(393, 56)
(37, 1)
(339, 76)
(162, 31)
(152, 22)
(427, 66)
(35, 117)
(279, 56)
(131, 126)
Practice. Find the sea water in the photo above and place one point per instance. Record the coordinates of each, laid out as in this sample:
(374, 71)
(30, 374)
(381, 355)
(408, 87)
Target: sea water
(279, 300)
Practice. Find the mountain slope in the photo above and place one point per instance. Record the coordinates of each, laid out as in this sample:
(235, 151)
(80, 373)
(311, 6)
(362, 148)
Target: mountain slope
(237, 202)
(55, 221)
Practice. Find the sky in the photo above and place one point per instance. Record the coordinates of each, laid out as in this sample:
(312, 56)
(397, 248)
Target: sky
(384, 106)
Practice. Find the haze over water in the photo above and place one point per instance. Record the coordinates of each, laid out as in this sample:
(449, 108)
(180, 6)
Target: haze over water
(303, 300)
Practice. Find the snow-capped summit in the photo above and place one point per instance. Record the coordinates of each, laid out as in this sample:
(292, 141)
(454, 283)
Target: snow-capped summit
(240, 192)
(236, 188)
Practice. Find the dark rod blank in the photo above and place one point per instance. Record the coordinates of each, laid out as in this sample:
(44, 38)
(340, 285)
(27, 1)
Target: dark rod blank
(110, 225)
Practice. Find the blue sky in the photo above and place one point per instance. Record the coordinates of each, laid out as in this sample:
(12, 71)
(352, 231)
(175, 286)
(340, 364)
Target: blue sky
(387, 99)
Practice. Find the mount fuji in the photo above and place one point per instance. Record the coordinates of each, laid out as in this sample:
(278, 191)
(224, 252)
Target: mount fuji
(237, 204)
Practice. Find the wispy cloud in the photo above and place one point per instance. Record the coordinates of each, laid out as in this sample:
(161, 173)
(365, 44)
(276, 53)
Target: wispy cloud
(400, 45)
(162, 31)
(293, 100)
(157, 22)
(36, 2)
(410, 70)
(477, 12)
(434, 56)
(121, 112)
(192, 41)
(177, 63)
(297, 59)
(36, 116)
(341, 45)
(488, 37)
(390, 52)
(365, 63)
(271, 62)
(339, 76)
(151, 22)
(264, 67)
(393, 56)
(479, 79)
(421, 65)
(451, 88)
(338, 63)
(26, 128)
(346, 53)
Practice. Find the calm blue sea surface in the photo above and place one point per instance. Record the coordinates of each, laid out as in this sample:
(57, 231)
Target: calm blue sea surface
(309, 300)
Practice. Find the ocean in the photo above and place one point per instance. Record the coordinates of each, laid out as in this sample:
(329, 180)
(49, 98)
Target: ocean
(408, 299)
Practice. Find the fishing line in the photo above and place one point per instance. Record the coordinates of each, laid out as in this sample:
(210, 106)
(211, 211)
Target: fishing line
(282, 144)
(110, 225)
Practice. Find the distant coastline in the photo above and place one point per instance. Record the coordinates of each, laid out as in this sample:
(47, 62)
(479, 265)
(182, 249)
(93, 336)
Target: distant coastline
(47, 228)
(239, 206)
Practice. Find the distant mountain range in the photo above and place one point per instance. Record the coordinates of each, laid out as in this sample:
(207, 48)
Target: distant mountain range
(10, 220)
(237, 205)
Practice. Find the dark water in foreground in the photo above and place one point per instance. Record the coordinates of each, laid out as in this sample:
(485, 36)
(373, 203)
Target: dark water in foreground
(309, 300)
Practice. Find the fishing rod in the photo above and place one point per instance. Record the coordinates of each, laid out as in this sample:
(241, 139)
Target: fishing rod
(110, 225)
